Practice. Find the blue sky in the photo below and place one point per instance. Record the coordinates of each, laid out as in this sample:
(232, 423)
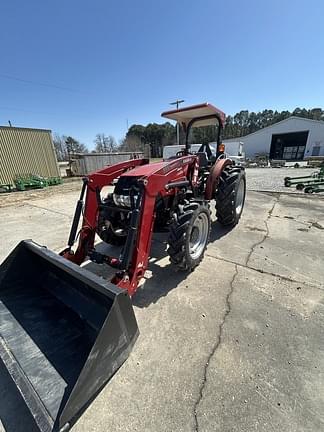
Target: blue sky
(90, 65)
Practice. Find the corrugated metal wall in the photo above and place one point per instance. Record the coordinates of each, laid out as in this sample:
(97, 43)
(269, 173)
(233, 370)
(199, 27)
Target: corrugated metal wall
(26, 151)
(87, 163)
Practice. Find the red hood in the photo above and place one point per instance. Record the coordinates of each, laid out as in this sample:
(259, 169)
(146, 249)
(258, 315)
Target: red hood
(145, 170)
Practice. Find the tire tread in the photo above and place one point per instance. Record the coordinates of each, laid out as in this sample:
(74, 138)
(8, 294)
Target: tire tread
(178, 237)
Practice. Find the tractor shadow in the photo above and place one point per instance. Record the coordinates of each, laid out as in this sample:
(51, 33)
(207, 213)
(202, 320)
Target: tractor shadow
(163, 276)
(218, 231)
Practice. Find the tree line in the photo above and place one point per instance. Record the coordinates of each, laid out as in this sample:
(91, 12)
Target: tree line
(153, 137)
(245, 122)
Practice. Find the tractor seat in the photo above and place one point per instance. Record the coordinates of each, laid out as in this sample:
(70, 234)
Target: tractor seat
(203, 159)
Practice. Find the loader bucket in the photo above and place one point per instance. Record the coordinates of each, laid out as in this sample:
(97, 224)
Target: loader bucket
(63, 333)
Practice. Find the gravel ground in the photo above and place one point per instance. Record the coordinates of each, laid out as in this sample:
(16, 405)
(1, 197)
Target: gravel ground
(272, 179)
(69, 185)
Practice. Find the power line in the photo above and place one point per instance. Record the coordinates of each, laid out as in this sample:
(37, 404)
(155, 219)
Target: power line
(6, 108)
(10, 77)
(47, 113)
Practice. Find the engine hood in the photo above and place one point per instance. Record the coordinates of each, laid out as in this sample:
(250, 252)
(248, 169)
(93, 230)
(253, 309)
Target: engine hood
(146, 170)
(160, 167)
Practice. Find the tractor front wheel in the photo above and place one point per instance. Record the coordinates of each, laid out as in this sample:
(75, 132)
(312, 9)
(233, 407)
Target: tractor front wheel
(110, 228)
(230, 196)
(189, 235)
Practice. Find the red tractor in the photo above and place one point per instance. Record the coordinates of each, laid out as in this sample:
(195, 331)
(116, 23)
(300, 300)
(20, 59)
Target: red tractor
(65, 331)
(173, 194)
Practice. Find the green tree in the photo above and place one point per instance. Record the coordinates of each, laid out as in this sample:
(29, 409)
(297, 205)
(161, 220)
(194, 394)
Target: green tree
(137, 130)
(153, 135)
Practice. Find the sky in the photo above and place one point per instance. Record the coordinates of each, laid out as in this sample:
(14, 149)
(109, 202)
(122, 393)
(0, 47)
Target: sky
(85, 67)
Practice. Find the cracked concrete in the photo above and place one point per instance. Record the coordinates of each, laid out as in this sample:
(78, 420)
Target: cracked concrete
(259, 243)
(301, 259)
(267, 375)
(214, 349)
(237, 345)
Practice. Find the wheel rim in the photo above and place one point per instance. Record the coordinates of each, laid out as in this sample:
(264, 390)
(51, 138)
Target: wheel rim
(240, 198)
(199, 235)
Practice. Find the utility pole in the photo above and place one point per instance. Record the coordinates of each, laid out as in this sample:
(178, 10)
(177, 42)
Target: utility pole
(177, 103)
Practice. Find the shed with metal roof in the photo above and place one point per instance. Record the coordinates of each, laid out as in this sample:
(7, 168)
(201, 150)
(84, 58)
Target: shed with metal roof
(25, 151)
(292, 139)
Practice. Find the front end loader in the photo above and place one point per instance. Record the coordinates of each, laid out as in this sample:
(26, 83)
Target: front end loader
(64, 331)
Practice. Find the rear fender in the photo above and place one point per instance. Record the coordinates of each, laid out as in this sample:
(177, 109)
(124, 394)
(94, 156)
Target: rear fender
(214, 175)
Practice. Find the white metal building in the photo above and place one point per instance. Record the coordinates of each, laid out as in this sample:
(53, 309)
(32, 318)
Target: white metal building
(292, 139)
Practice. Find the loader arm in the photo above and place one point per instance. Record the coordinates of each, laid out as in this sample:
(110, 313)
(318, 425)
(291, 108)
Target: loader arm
(134, 259)
(171, 177)
(94, 183)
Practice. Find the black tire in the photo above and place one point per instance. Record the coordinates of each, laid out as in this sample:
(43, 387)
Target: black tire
(309, 190)
(106, 232)
(230, 196)
(191, 222)
(300, 186)
(110, 237)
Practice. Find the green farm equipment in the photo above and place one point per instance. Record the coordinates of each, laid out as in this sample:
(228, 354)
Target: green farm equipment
(5, 188)
(53, 181)
(302, 181)
(35, 182)
(30, 182)
(314, 188)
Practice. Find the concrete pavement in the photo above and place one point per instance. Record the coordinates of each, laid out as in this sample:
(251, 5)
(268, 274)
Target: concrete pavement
(236, 345)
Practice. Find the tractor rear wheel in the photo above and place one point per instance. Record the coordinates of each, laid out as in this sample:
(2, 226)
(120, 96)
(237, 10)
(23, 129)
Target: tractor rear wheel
(230, 196)
(189, 235)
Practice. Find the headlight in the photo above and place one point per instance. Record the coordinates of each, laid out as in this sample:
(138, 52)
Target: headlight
(122, 200)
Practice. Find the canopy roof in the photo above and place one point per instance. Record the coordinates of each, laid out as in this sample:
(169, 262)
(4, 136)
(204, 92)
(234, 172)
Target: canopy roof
(186, 114)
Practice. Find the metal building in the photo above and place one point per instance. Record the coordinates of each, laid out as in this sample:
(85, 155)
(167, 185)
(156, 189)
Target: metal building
(85, 163)
(292, 139)
(25, 151)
